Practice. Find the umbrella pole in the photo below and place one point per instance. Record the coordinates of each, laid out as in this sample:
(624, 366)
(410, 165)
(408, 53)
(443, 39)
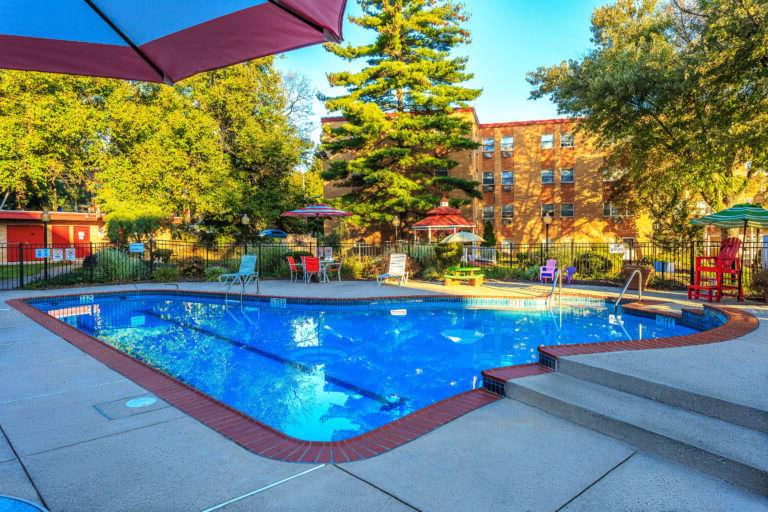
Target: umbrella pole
(741, 264)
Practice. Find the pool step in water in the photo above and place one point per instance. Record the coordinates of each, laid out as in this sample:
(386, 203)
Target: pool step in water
(736, 413)
(722, 449)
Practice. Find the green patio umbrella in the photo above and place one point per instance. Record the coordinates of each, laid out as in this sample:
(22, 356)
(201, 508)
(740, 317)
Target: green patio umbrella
(739, 216)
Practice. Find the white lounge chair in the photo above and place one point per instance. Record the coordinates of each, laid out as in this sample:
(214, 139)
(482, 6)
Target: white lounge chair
(397, 269)
(244, 276)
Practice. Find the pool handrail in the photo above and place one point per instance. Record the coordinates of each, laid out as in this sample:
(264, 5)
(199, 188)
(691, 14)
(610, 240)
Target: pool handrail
(634, 273)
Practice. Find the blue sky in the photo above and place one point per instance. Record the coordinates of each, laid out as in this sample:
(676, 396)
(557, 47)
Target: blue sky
(509, 38)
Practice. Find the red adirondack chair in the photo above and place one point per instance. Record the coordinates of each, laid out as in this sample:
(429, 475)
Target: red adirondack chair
(718, 275)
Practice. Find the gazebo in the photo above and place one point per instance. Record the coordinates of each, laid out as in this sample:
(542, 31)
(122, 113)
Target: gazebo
(443, 219)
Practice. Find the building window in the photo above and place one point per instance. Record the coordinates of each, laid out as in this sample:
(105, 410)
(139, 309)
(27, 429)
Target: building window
(547, 209)
(566, 175)
(441, 172)
(566, 140)
(488, 213)
(611, 210)
(566, 210)
(507, 180)
(508, 211)
(548, 141)
(488, 181)
(547, 177)
(507, 145)
(489, 146)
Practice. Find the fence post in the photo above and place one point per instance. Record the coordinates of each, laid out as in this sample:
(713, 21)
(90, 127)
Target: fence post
(151, 257)
(258, 261)
(692, 262)
(92, 259)
(21, 265)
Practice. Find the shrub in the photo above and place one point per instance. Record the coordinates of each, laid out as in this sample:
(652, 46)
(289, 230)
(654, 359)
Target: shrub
(115, 265)
(192, 268)
(132, 224)
(759, 284)
(431, 274)
(361, 267)
(448, 255)
(162, 255)
(213, 273)
(593, 264)
(166, 274)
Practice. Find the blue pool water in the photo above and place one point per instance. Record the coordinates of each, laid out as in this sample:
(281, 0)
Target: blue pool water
(325, 372)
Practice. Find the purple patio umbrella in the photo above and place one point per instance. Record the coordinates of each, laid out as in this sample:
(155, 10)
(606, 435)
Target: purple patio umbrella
(157, 40)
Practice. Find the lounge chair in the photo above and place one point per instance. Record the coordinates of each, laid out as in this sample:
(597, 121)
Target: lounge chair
(397, 269)
(245, 275)
(548, 271)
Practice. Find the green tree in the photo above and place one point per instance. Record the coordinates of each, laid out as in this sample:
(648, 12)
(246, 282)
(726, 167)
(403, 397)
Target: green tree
(489, 234)
(48, 128)
(211, 148)
(675, 94)
(400, 126)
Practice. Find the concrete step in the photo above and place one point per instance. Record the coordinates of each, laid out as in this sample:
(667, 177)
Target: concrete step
(738, 414)
(734, 453)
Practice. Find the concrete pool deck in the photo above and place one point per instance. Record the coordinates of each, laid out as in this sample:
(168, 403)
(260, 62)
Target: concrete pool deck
(61, 443)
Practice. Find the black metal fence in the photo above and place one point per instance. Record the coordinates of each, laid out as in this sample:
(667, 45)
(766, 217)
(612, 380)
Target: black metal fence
(30, 265)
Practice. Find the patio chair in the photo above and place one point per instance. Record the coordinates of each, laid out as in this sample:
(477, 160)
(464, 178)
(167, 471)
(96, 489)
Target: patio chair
(711, 273)
(397, 269)
(569, 273)
(294, 268)
(548, 271)
(245, 275)
(311, 268)
(327, 253)
(331, 267)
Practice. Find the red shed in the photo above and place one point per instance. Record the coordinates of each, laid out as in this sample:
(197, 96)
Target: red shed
(65, 229)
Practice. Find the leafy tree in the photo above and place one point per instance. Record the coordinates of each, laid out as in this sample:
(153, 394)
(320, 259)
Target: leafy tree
(48, 125)
(400, 128)
(489, 234)
(675, 93)
(211, 148)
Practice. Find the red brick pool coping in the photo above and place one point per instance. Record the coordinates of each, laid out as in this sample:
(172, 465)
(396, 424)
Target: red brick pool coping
(268, 442)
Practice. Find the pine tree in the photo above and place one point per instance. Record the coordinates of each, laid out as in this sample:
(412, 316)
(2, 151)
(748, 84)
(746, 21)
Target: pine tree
(400, 123)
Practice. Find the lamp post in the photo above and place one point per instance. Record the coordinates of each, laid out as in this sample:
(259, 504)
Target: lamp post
(547, 219)
(396, 224)
(46, 218)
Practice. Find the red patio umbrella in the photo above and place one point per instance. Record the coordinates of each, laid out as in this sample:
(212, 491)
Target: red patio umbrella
(157, 40)
(316, 211)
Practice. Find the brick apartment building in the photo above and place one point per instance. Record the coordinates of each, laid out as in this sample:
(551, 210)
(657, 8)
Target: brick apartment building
(528, 169)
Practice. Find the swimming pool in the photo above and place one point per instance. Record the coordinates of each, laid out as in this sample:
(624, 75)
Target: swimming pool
(329, 371)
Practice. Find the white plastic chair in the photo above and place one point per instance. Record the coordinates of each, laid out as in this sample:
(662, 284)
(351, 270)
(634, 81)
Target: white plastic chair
(397, 269)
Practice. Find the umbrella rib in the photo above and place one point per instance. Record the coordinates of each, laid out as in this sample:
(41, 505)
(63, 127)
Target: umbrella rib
(292, 12)
(129, 42)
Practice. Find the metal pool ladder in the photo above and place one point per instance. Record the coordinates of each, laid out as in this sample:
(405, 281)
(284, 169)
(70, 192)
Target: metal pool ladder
(634, 273)
(557, 283)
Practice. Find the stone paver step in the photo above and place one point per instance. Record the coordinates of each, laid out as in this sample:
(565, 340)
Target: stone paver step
(731, 452)
(641, 384)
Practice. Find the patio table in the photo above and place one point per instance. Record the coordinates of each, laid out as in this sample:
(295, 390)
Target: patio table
(324, 264)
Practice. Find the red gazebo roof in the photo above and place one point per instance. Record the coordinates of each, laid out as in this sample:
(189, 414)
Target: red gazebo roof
(443, 217)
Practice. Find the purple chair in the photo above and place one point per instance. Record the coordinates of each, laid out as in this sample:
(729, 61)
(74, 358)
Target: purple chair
(569, 273)
(548, 271)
